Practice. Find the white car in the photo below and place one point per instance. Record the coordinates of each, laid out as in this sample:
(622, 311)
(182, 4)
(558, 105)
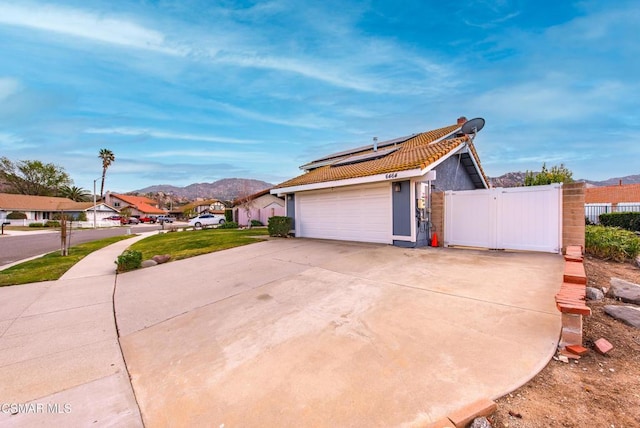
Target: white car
(206, 220)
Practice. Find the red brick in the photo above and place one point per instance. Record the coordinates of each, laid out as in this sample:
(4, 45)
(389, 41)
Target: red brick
(482, 407)
(572, 321)
(442, 423)
(570, 337)
(574, 309)
(574, 273)
(570, 355)
(602, 345)
(574, 249)
(577, 349)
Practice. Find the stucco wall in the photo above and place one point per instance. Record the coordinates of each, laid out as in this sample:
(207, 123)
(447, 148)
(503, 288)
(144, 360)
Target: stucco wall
(451, 175)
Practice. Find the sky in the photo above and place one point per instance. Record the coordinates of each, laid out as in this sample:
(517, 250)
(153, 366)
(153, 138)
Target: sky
(192, 91)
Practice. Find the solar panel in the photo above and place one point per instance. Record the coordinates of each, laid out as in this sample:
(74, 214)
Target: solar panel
(366, 156)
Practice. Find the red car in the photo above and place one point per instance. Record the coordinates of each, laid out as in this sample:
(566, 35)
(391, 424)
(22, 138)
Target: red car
(146, 219)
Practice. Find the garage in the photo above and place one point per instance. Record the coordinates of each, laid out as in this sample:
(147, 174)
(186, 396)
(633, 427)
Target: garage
(354, 213)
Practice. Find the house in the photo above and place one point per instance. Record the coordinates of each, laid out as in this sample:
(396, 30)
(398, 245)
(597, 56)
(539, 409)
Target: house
(42, 208)
(139, 205)
(213, 206)
(381, 192)
(606, 199)
(260, 206)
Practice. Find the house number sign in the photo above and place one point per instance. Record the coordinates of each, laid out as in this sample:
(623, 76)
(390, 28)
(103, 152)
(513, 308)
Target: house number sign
(391, 175)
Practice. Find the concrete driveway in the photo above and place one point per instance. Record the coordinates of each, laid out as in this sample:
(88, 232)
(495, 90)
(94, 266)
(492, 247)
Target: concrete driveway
(317, 333)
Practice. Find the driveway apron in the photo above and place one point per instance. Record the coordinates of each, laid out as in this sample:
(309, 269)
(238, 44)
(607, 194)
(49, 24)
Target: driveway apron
(317, 333)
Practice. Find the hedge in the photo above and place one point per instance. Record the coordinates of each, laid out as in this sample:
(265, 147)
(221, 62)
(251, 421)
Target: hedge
(279, 226)
(611, 243)
(624, 220)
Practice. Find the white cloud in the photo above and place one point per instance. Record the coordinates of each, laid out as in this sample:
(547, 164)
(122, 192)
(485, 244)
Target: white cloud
(8, 87)
(78, 23)
(167, 135)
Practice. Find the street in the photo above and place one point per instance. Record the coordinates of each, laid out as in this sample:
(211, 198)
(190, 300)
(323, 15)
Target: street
(30, 244)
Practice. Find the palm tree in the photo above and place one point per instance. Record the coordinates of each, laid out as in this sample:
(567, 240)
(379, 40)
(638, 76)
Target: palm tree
(75, 193)
(108, 158)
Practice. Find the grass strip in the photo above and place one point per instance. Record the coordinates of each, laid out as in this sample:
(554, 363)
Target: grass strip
(190, 243)
(52, 266)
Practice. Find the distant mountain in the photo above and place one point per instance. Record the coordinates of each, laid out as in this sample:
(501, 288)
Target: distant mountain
(510, 179)
(629, 179)
(515, 179)
(226, 189)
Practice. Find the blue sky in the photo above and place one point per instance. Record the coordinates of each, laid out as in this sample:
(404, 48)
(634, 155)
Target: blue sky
(193, 91)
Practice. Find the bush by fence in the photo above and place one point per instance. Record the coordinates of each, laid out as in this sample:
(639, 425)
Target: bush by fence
(624, 220)
(279, 226)
(611, 243)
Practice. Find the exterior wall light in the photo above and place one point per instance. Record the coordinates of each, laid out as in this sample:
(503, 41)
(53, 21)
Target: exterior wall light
(397, 187)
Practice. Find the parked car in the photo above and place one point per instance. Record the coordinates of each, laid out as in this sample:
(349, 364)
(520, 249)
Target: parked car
(165, 219)
(130, 220)
(147, 219)
(206, 220)
(114, 218)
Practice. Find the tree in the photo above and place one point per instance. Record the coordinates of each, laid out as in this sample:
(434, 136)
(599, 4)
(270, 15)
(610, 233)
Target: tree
(557, 174)
(32, 177)
(108, 158)
(75, 193)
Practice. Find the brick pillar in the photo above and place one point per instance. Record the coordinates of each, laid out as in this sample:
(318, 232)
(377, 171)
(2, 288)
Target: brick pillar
(572, 215)
(437, 215)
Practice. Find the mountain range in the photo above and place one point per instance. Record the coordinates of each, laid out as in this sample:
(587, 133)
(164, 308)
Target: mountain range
(515, 179)
(226, 189)
(229, 189)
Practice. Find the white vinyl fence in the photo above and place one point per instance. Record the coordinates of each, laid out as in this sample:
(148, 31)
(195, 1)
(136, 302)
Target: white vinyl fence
(519, 218)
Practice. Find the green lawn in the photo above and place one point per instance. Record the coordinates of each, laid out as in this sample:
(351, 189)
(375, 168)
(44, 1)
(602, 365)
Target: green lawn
(52, 266)
(182, 245)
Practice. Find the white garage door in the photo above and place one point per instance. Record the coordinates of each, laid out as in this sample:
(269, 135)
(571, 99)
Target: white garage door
(359, 213)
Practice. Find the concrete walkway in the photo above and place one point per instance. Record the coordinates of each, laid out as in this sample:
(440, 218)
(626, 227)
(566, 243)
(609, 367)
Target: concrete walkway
(280, 333)
(59, 352)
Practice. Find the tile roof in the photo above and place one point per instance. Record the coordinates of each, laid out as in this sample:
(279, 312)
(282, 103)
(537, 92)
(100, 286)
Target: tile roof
(141, 203)
(9, 202)
(612, 194)
(418, 151)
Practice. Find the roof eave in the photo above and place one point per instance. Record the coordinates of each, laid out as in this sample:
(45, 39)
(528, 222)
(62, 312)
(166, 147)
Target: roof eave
(376, 178)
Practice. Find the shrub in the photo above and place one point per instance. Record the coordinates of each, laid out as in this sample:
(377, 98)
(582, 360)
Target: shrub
(625, 220)
(36, 225)
(52, 223)
(611, 243)
(256, 223)
(82, 216)
(14, 215)
(228, 215)
(228, 225)
(129, 260)
(279, 226)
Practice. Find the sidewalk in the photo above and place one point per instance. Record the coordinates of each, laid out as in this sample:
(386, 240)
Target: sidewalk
(59, 353)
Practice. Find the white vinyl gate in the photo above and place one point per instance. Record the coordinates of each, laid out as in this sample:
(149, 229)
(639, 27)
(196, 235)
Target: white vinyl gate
(517, 218)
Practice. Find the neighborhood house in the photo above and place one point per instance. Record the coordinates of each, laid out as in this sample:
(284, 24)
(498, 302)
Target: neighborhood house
(381, 192)
(43, 208)
(140, 206)
(260, 206)
(607, 199)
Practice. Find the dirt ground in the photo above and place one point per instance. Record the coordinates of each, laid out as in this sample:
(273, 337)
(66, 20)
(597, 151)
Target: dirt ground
(595, 391)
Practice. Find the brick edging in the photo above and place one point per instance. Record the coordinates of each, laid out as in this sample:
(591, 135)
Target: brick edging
(571, 299)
